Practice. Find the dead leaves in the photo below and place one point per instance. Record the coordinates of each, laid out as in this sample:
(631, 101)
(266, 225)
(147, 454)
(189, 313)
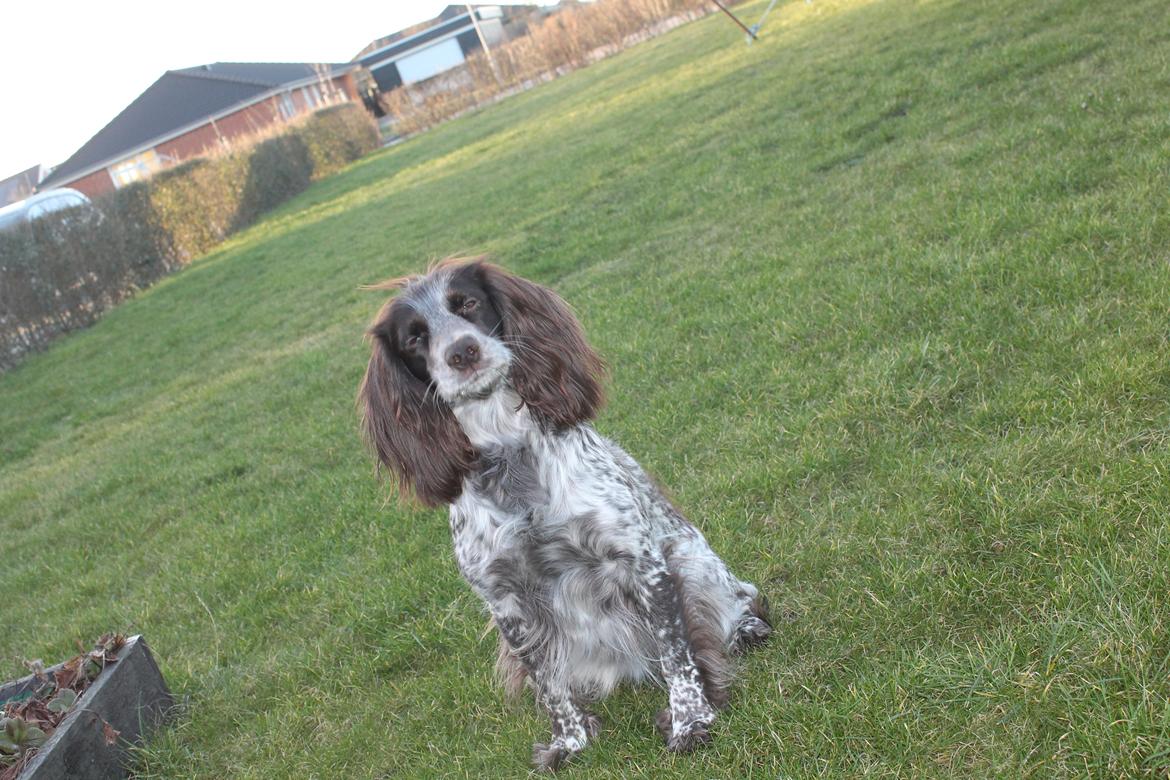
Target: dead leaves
(26, 723)
(78, 672)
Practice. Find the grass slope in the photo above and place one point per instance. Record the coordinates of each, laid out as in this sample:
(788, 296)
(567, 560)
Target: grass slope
(885, 297)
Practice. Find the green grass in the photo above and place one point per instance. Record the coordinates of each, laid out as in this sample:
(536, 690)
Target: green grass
(886, 299)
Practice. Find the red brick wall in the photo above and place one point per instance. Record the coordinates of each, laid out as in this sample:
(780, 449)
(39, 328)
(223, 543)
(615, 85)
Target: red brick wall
(348, 84)
(202, 139)
(298, 99)
(96, 183)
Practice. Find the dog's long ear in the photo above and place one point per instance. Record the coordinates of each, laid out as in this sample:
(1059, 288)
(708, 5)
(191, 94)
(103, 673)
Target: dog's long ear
(555, 371)
(414, 434)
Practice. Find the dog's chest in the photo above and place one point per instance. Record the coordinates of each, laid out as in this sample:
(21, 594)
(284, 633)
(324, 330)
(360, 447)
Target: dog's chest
(509, 478)
(536, 517)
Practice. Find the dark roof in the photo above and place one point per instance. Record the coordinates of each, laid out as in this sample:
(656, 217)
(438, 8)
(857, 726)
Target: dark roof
(266, 74)
(431, 27)
(19, 186)
(184, 97)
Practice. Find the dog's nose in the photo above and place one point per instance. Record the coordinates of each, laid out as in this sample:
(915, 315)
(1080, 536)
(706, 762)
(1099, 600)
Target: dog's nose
(463, 355)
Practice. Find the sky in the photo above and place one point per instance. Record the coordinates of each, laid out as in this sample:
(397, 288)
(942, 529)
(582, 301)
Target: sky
(74, 65)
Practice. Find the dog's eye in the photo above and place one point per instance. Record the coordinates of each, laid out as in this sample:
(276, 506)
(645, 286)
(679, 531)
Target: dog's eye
(413, 341)
(469, 305)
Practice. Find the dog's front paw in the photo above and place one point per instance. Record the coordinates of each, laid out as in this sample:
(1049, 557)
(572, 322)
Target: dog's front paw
(691, 736)
(570, 735)
(550, 757)
(688, 736)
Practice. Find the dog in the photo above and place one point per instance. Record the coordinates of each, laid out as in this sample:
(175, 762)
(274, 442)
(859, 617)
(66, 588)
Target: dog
(479, 394)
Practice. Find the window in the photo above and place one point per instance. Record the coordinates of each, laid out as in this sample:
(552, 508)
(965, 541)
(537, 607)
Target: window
(135, 168)
(312, 96)
(287, 108)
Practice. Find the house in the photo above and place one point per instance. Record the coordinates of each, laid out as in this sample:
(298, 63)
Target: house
(432, 47)
(21, 185)
(189, 112)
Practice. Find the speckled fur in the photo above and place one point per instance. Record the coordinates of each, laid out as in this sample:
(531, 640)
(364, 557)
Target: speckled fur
(591, 575)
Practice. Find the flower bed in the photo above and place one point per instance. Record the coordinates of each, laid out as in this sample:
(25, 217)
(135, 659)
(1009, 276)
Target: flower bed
(78, 719)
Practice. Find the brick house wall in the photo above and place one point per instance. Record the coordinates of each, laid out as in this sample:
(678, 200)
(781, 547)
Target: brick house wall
(247, 121)
(93, 185)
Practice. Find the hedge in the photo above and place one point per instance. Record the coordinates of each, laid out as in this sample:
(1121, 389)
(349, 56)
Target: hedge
(61, 272)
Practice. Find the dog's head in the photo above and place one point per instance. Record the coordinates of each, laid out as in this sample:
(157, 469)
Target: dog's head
(456, 336)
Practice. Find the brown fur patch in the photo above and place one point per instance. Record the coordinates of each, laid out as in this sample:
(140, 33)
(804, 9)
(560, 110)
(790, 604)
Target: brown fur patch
(558, 375)
(416, 438)
(509, 670)
(708, 645)
(664, 721)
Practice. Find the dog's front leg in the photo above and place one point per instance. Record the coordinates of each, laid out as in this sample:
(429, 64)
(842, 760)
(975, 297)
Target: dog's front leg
(571, 725)
(685, 723)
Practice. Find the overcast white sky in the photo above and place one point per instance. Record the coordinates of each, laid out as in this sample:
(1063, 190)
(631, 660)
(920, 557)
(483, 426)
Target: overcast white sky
(72, 66)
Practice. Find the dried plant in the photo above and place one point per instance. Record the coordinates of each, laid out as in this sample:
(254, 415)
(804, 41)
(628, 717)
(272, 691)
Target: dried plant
(558, 44)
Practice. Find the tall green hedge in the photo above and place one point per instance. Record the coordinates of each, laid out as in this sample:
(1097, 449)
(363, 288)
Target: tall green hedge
(63, 271)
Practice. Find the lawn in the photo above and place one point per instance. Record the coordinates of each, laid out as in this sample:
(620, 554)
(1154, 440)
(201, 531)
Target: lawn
(886, 299)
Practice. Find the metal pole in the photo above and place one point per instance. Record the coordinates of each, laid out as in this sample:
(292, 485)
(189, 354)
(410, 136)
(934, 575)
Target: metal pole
(483, 43)
(735, 19)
